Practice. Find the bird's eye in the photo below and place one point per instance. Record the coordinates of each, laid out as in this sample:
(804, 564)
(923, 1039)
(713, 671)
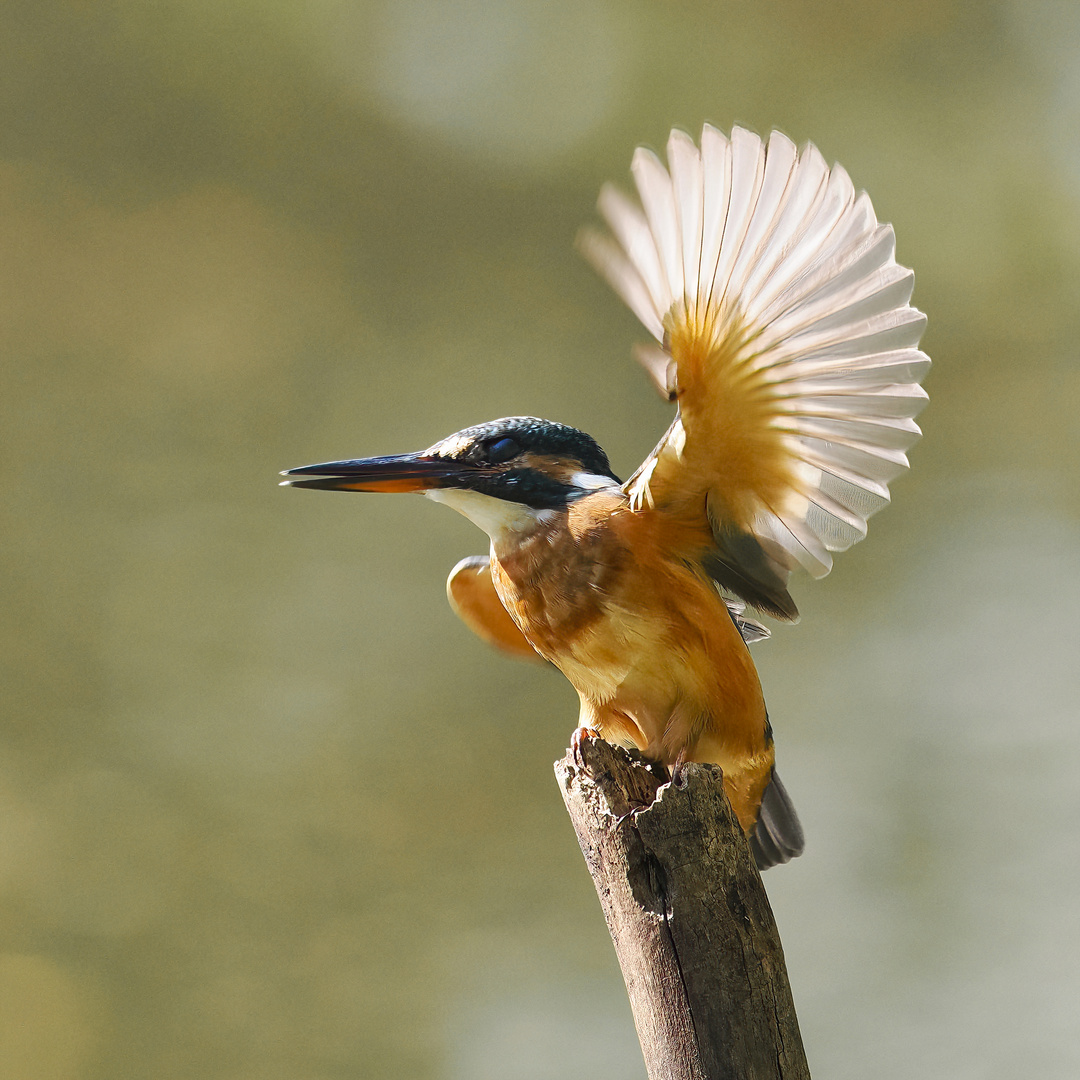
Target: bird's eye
(501, 450)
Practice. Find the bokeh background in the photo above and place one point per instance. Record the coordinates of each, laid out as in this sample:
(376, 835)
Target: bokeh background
(267, 810)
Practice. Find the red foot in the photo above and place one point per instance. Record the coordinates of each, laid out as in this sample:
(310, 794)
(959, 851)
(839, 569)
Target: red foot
(580, 736)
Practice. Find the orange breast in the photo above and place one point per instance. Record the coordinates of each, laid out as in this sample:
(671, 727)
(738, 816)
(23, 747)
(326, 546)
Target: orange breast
(557, 582)
(611, 598)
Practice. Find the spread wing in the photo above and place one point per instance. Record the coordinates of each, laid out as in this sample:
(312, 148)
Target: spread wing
(785, 335)
(472, 595)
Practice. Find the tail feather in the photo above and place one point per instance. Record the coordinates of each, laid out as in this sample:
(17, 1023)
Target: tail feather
(777, 836)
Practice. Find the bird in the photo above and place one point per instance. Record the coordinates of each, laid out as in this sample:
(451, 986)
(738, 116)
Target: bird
(783, 334)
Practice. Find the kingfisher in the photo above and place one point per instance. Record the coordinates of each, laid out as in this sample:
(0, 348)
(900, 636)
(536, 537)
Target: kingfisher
(783, 334)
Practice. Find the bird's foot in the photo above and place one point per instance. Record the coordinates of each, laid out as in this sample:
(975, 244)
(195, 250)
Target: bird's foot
(581, 736)
(629, 815)
(677, 769)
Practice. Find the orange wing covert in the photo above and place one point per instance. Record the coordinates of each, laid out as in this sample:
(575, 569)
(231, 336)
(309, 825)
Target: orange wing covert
(472, 595)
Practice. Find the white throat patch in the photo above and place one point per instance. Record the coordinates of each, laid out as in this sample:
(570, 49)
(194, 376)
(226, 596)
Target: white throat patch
(497, 517)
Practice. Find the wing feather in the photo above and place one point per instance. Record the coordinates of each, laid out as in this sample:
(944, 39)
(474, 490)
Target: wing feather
(716, 199)
(472, 595)
(631, 230)
(747, 166)
(785, 334)
(624, 276)
(779, 167)
(658, 201)
(686, 179)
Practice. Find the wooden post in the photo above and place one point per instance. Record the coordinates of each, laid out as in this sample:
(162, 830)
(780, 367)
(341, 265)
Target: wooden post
(690, 920)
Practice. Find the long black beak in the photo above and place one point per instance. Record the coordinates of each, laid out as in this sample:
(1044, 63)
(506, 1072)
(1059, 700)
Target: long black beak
(402, 472)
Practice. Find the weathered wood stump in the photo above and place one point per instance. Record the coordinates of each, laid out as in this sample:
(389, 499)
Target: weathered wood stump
(690, 920)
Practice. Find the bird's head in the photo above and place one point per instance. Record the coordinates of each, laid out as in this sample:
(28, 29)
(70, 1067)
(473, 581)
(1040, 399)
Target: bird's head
(502, 475)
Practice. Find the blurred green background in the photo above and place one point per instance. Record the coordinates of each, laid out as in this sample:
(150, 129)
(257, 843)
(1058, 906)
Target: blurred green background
(267, 810)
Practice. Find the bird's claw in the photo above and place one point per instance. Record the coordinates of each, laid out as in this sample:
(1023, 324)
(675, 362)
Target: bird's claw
(629, 815)
(581, 736)
(678, 770)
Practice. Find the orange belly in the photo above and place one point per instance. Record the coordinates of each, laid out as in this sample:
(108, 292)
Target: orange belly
(645, 639)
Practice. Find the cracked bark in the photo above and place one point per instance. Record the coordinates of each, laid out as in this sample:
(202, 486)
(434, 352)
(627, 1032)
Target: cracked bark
(689, 918)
